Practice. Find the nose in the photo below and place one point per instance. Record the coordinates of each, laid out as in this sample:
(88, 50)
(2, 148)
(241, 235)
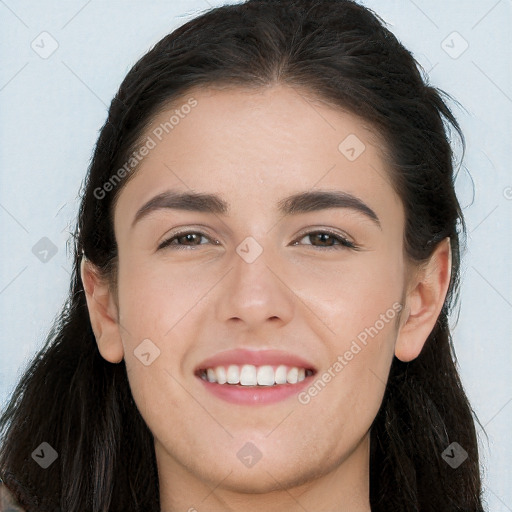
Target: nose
(256, 293)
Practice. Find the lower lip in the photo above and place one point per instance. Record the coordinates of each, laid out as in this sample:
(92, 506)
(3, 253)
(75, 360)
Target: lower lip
(252, 395)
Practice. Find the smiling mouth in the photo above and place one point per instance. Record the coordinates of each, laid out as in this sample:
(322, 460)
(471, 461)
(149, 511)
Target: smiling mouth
(249, 375)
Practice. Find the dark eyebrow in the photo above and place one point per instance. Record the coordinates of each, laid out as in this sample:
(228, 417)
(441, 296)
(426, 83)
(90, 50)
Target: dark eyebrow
(302, 202)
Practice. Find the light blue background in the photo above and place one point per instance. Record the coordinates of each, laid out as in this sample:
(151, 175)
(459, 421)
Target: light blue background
(53, 108)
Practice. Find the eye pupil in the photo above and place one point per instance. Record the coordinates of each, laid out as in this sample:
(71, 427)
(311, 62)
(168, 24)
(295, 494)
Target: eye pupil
(321, 236)
(188, 237)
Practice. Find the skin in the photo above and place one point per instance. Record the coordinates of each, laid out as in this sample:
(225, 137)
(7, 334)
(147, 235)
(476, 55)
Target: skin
(254, 147)
(7, 501)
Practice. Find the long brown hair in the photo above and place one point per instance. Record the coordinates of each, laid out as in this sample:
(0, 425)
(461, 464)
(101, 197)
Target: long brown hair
(81, 405)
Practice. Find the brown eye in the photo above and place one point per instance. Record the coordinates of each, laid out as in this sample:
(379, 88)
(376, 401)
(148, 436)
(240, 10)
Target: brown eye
(326, 239)
(323, 238)
(186, 239)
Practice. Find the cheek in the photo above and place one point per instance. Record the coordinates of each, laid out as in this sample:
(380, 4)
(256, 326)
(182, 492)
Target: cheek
(346, 395)
(350, 295)
(154, 295)
(360, 307)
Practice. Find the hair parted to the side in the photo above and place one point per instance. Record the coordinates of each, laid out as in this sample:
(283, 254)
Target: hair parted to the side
(80, 404)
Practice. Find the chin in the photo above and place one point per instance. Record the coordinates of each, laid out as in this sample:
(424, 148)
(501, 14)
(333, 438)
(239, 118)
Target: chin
(278, 466)
(265, 479)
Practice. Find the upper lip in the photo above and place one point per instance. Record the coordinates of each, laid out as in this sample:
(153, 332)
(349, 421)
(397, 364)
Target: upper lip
(256, 358)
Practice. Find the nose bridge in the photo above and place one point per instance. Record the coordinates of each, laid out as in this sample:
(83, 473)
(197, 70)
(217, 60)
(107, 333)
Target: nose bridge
(255, 291)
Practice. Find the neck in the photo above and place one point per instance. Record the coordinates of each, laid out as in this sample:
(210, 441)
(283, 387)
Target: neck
(343, 488)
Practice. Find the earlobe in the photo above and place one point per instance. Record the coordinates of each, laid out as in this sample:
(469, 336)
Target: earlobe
(424, 303)
(103, 313)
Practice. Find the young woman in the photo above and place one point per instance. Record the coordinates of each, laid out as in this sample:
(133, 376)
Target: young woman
(266, 254)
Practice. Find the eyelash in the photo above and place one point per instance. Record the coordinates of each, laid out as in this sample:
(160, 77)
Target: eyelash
(344, 243)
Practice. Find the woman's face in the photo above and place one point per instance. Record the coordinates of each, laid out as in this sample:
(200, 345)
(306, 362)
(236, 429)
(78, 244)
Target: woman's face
(256, 278)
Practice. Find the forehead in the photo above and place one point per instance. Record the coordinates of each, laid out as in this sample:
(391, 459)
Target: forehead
(255, 146)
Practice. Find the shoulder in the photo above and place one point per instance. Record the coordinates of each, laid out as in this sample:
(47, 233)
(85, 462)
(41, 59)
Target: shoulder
(7, 501)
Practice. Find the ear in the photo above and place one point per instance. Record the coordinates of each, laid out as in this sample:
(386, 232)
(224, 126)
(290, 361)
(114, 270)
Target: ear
(102, 313)
(424, 302)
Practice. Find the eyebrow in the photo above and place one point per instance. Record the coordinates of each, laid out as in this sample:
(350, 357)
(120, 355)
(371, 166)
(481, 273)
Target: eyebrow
(302, 202)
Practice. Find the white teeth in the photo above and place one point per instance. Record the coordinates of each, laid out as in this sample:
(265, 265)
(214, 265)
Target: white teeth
(233, 374)
(293, 374)
(250, 375)
(220, 373)
(281, 374)
(265, 376)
